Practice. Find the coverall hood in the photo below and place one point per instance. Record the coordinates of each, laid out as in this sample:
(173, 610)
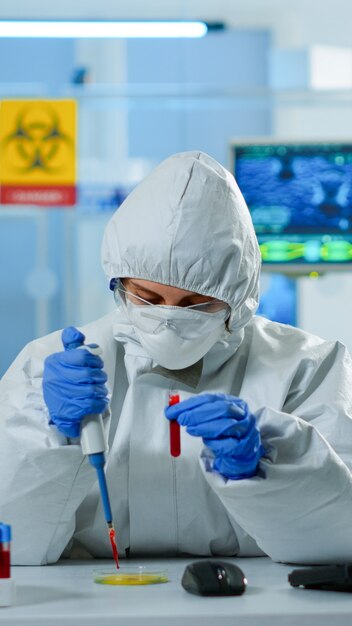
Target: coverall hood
(187, 225)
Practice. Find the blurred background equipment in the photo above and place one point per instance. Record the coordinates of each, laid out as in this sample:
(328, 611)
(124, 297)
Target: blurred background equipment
(300, 199)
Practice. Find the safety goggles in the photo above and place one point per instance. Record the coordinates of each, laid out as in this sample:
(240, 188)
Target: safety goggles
(212, 306)
(187, 322)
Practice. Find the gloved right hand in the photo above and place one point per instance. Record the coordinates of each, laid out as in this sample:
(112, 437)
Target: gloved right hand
(73, 384)
(227, 427)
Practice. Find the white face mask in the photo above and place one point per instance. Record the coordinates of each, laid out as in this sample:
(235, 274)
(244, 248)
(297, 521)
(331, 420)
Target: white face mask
(176, 337)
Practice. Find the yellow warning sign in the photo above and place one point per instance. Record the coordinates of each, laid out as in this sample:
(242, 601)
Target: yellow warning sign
(38, 152)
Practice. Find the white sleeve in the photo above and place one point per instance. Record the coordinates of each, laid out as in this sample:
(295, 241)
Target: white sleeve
(43, 478)
(299, 507)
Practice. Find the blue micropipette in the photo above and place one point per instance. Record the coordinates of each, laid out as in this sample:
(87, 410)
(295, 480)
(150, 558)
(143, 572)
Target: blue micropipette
(93, 444)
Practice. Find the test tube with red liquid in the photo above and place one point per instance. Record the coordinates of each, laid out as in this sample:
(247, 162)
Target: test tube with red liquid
(5, 542)
(175, 432)
(7, 584)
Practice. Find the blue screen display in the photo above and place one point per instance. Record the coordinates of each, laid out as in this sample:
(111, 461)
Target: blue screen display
(300, 199)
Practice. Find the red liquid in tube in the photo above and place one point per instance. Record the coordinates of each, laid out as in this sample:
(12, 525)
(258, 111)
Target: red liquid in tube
(4, 563)
(175, 433)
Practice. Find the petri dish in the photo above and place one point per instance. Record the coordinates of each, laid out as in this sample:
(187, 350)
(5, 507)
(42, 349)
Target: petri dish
(130, 575)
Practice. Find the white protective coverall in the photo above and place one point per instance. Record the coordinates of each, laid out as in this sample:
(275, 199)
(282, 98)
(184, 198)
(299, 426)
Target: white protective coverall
(186, 225)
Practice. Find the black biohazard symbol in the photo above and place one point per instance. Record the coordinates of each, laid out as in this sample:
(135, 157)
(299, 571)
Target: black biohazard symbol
(37, 141)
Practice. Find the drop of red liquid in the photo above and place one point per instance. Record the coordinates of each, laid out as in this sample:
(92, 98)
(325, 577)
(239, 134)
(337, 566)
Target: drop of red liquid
(115, 553)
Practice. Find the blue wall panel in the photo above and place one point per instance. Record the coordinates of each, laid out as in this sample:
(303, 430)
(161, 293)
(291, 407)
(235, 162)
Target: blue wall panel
(211, 70)
(45, 61)
(17, 309)
(228, 58)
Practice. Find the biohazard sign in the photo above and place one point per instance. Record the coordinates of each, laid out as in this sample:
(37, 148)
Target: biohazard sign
(38, 152)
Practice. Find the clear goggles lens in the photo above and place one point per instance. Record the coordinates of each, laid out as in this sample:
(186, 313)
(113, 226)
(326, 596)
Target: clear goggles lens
(212, 306)
(188, 322)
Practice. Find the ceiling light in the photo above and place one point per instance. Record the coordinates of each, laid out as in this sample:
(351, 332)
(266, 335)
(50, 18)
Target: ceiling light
(102, 29)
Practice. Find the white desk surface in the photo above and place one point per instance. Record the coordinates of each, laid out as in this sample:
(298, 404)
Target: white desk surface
(65, 594)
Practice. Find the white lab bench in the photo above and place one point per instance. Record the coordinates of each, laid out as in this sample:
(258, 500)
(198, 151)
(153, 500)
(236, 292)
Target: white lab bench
(65, 594)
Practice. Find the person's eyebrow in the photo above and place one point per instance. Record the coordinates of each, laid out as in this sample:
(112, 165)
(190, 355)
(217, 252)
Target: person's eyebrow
(191, 296)
(144, 289)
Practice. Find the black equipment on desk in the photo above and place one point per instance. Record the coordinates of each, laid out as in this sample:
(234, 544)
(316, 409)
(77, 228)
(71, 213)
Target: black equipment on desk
(214, 578)
(325, 577)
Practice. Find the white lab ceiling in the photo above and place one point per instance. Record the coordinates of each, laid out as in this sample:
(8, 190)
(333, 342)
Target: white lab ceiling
(297, 23)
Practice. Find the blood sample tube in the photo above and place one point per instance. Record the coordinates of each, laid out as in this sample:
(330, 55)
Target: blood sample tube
(5, 542)
(7, 585)
(175, 434)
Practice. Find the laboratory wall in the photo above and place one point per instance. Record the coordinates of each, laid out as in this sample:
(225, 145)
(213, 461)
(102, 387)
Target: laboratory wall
(138, 103)
(215, 70)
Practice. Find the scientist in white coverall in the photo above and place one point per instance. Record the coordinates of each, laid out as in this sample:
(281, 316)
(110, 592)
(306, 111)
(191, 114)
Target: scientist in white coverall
(265, 410)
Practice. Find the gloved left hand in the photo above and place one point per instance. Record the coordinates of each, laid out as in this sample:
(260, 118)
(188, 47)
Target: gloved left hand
(73, 384)
(227, 427)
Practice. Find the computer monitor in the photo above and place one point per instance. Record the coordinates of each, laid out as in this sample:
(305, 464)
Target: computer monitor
(300, 198)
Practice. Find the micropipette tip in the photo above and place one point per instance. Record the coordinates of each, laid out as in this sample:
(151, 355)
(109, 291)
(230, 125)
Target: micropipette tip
(112, 536)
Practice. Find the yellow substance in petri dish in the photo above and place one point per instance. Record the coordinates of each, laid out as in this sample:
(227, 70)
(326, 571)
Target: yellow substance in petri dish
(131, 579)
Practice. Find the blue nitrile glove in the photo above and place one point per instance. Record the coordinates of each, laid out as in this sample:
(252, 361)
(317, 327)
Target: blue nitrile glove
(227, 427)
(73, 384)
